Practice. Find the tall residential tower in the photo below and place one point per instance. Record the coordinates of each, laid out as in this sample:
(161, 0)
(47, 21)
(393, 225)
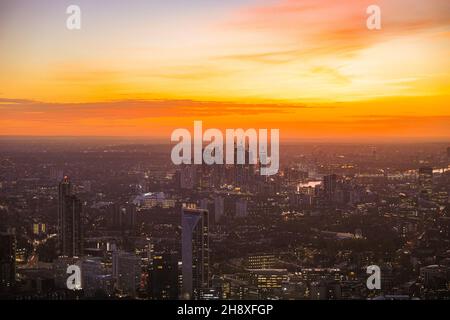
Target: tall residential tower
(195, 252)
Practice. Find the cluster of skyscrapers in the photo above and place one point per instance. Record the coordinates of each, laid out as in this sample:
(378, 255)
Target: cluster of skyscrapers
(224, 232)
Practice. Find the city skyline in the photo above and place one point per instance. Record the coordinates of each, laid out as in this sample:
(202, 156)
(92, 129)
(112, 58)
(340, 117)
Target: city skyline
(120, 222)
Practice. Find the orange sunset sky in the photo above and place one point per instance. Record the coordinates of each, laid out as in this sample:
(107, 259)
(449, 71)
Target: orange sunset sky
(144, 68)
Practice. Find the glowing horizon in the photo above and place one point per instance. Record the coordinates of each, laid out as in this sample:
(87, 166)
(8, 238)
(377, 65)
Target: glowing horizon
(144, 68)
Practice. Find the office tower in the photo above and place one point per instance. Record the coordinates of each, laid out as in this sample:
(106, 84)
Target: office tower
(7, 260)
(70, 240)
(268, 279)
(188, 176)
(204, 203)
(123, 217)
(252, 157)
(243, 171)
(209, 205)
(94, 279)
(239, 175)
(241, 208)
(127, 272)
(261, 261)
(130, 215)
(329, 185)
(241, 168)
(39, 229)
(217, 175)
(150, 251)
(64, 190)
(115, 216)
(163, 276)
(219, 208)
(425, 181)
(195, 252)
(91, 268)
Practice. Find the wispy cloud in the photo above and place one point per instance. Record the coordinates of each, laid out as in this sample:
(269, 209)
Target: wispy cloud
(275, 57)
(338, 26)
(134, 109)
(14, 102)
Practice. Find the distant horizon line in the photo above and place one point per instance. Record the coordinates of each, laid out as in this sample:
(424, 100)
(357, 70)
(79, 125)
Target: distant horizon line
(383, 140)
